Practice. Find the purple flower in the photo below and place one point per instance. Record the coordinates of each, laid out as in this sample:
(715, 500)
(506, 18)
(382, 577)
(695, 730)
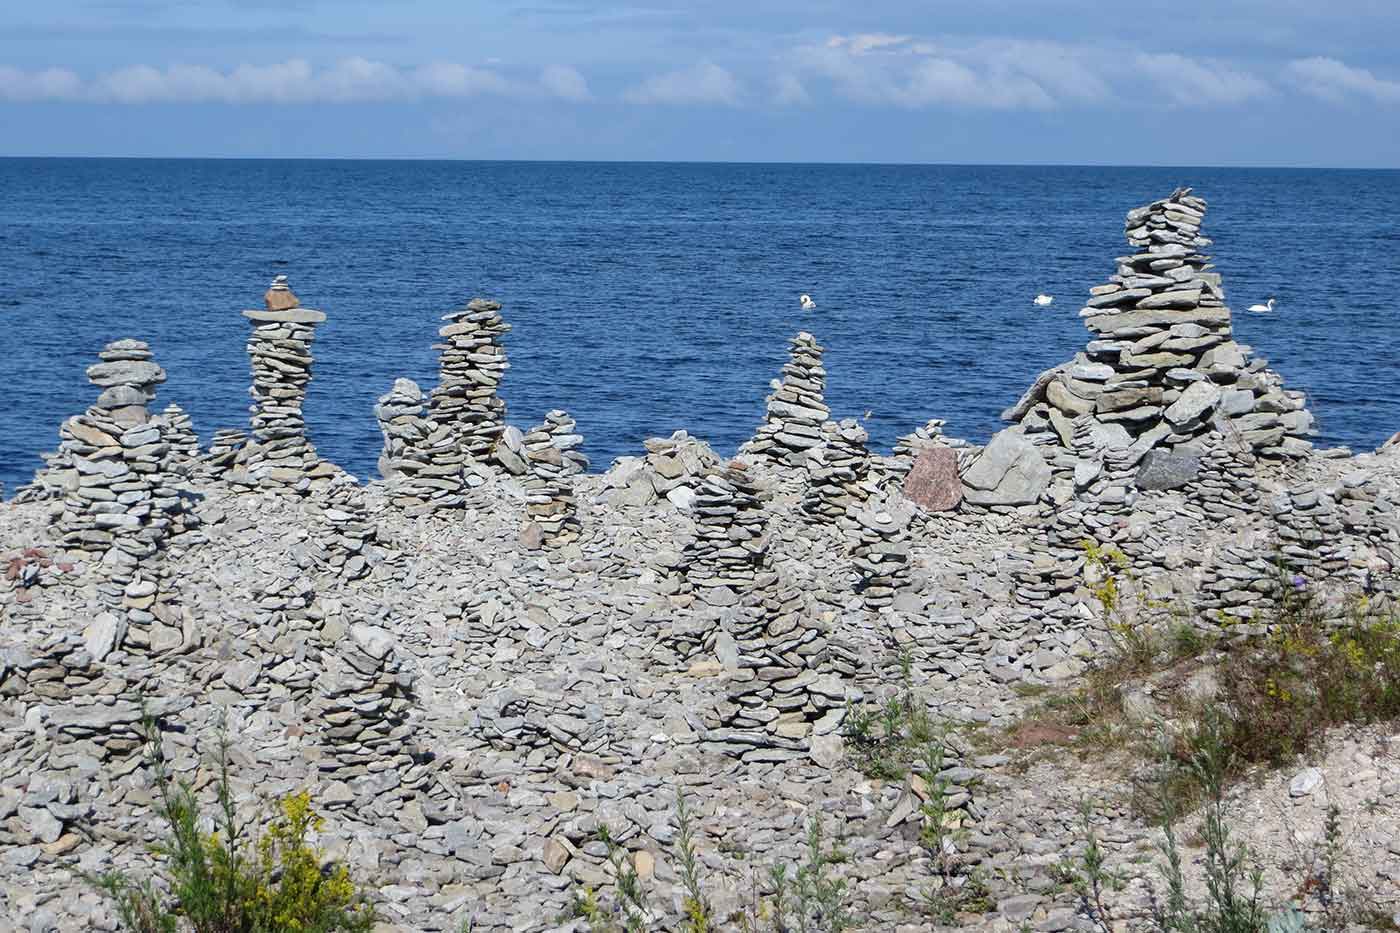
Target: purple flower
(1298, 582)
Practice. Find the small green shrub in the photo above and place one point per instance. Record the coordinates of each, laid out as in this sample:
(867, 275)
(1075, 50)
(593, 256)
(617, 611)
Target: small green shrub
(235, 880)
(1287, 689)
(885, 741)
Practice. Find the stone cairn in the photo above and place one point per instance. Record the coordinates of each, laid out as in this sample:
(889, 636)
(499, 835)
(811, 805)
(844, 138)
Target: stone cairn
(471, 367)
(838, 471)
(278, 454)
(779, 693)
(400, 415)
(363, 702)
(1103, 484)
(222, 455)
(420, 457)
(345, 528)
(563, 434)
(549, 495)
(671, 470)
(729, 555)
(778, 639)
(121, 508)
(563, 437)
(178, 430)
(880, 554)
(1163, 362)
(796, 410)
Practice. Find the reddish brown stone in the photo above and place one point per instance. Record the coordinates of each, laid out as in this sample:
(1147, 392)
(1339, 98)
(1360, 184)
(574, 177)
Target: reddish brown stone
(933, 483)
(280, 299)
(531, 536)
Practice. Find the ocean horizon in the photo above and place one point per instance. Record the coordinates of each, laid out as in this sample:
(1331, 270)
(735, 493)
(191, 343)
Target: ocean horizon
(648, 297)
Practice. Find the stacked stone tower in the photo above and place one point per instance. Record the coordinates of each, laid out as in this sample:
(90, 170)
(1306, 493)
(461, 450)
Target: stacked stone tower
(729, 555)
(178, 430)
(278, 454)
(837, 471)
(121, 506)
(472, 364)
(549, 494)
(880, 552)
(796, 409)
(1163, 363)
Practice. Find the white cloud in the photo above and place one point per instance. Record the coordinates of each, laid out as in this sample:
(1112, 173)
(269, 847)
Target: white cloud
(563, 81)
(901, 71)
(49, 84)
(943, 81)
(1191, 81)
(446, 79)
(704, 83)
(1334, 81)
(1012, 74)
(293, 81)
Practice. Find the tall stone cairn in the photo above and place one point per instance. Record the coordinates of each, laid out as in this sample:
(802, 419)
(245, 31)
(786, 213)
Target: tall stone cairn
(880, 553)
(400, 415)
(471, 366)
(362, 703)
(729, 555)
(549, 495)
(278, 454)
(1163, 362)
(780, 688)
(837, 471)
(796, 410)
(122, 506)
(178, 430)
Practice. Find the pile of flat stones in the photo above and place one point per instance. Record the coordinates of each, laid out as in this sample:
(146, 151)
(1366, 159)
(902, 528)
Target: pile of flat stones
(471, 366)
(122, 506)
(362, 704)
(421, 458)
(779, 689)
(400, 415)
(671, 472)
(549, 495)
(278, 454)
(346, 530)
(222, 454)
(178, 430)
(792, 426)
(880, 552)
(730, 550)
(563, 437)
(838, 472)
(1226, 485)
(1163, 362)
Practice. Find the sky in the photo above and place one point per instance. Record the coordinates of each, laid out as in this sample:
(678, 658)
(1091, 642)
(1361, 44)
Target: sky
(1186, 82)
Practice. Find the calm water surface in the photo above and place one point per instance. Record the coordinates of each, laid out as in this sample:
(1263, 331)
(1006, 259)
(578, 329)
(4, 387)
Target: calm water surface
(650, 297)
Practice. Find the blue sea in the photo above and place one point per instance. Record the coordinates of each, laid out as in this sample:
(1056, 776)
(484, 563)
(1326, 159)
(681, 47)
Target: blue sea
(650, 297)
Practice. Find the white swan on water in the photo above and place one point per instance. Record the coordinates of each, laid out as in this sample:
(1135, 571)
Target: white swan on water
(1043, 299)
(807, 303)
(1264, 307)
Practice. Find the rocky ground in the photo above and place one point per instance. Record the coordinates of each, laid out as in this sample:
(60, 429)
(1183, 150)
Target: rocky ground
(470, 710)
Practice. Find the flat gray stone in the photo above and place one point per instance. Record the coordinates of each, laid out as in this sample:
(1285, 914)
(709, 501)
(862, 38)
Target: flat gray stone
(290, 316)
(1168, 469)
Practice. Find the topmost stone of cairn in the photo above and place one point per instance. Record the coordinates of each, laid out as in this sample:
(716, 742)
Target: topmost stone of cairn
(281, 305)
(279, 296)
